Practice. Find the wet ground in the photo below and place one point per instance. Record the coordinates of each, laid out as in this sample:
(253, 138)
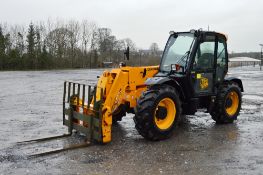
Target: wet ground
(31, 107)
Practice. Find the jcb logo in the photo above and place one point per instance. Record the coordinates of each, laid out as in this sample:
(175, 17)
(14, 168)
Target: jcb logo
(203, 83)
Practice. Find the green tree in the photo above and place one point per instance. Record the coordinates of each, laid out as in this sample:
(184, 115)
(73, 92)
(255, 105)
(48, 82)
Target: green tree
(14, 60)
(96, 58)
(31, 43)
(45, 59)
(5, 45)
(2, 48)
(38, 48)
(20, 44)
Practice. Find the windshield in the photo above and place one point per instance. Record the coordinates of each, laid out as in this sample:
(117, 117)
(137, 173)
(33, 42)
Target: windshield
(177, 51)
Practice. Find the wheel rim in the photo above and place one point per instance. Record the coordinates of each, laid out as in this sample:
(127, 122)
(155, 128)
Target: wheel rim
(232, 108)
(168, 120)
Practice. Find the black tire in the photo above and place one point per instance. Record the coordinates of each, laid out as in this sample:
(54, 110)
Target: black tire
(220, 113)
(118, 114)
(146, 112)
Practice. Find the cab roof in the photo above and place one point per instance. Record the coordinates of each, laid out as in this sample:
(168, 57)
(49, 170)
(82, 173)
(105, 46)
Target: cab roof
(201, 32)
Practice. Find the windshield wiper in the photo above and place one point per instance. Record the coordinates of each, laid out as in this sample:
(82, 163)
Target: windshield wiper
(181, 60)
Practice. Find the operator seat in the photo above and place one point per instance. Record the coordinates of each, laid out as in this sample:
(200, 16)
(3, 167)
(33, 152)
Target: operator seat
(206, 60)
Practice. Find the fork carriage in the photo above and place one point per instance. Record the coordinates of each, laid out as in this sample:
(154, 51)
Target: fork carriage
(82, 110)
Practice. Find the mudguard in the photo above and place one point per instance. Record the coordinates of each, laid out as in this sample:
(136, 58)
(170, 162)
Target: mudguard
(166, 80)
(236, 80)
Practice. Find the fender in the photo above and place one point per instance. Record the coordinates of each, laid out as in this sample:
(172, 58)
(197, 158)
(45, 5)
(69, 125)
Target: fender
(166, 80)
(236, 80)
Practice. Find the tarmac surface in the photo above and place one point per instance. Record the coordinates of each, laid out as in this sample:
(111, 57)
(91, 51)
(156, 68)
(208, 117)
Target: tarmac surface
(31, 107)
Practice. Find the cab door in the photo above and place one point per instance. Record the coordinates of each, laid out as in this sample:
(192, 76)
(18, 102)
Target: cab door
(202, 74)
(221, 61)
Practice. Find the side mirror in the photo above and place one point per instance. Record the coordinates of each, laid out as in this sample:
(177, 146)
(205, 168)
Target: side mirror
(127, 53)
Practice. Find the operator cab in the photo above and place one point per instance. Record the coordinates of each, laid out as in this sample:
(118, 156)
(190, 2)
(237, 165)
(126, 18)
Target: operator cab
(197, 60)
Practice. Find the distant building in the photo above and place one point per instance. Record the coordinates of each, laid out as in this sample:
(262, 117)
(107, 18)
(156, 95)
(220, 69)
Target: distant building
(107, 64)
(242, 61)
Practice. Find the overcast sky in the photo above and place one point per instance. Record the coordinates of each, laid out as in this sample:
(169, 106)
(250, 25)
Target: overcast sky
(147, 21)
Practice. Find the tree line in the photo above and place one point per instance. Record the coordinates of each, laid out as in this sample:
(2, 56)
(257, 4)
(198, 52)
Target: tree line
(67, 44)
(71, 44)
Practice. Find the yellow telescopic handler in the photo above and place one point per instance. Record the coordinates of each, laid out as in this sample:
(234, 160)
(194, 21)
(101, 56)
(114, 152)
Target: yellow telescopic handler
(191, 76)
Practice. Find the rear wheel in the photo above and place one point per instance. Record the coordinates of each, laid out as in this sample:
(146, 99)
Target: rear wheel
(228, 104)
(157, 112)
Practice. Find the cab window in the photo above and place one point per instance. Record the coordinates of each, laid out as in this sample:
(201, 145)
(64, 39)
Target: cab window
(221, 60)
(204, 58)
(221, 54)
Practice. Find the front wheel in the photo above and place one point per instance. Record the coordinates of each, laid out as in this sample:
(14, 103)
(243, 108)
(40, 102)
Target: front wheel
(157, 112)
(228, 104)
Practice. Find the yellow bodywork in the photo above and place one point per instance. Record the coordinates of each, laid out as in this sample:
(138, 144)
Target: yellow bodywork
(121, 86)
